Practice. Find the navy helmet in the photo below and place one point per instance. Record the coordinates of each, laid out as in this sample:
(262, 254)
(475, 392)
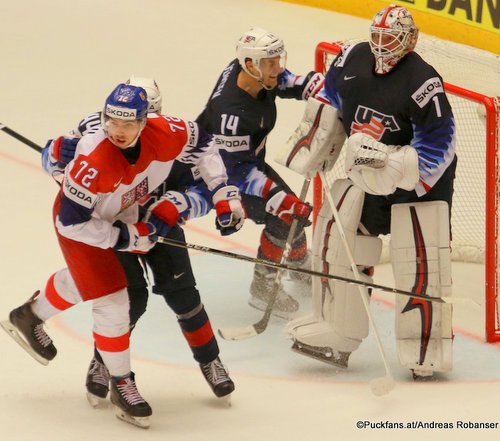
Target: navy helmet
(126, 102)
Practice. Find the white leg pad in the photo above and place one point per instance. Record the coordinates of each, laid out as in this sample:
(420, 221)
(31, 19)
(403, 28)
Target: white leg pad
(339, 320)
(420, 255)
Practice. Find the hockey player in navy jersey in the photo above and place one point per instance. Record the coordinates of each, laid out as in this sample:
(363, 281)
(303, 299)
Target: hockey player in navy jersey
(241, 112)
(173, 276)
(401, 162)
(96, 213)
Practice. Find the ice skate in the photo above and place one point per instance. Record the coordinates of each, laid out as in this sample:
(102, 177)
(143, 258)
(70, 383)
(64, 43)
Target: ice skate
(325, 354)
(97, 384)
(27, 330)
(218, 379)
(262, 290)
(130, 406)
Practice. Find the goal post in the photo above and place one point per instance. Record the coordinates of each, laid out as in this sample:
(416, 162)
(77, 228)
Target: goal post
(471, 83)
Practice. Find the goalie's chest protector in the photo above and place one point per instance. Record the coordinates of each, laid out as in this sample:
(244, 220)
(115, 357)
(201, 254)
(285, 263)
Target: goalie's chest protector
(380, 105)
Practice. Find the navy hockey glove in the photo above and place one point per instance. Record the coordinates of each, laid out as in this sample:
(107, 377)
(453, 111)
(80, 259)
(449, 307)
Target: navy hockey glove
(170, 209)
(287, 207)
(136, 238)
(230, 211)
(61, 150)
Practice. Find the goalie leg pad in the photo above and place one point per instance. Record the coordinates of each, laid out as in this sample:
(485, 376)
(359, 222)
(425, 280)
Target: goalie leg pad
(339, 321)
(318, 139)
(420, 255)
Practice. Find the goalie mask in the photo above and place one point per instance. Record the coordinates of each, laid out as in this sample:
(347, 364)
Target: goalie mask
(257, 44)
(392, 35)
(152, 90)
(124, 114)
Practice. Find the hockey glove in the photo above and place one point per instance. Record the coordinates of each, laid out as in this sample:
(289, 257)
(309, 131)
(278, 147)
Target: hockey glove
(136, 238)
(287, 207)
(60, 151)
(230, 211)
(170, 209)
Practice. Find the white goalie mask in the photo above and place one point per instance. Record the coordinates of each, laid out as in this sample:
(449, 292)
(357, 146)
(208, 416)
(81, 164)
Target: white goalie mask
(392, 35)
(152, 90)
(257, 44)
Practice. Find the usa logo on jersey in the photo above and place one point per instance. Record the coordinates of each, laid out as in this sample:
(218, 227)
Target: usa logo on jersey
(373, 123)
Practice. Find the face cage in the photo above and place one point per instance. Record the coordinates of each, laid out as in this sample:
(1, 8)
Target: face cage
(388, 46)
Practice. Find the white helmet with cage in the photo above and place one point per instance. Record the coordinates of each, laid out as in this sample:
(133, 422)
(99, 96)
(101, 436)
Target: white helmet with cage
(256, 44)
(152, 90)
(393, 34)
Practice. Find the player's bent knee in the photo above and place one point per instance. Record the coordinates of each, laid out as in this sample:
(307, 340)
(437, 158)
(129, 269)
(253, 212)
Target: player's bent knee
(111, 314)
(183, 300)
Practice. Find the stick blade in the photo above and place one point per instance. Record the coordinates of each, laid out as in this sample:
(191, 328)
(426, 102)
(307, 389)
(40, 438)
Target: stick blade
(382, 386)
(241, 333)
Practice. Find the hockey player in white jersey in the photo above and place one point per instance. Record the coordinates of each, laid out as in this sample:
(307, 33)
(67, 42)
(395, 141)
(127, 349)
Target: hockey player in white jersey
(170, 266)
(96, 213)
(401, 165)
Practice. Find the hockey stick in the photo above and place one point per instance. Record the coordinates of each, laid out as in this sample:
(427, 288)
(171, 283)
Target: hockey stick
(21, 138)
(382, 385)
(222, 253)
(240, 333)
(26, 141)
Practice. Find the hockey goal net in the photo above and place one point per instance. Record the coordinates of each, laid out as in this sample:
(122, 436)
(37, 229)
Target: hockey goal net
(472, 84)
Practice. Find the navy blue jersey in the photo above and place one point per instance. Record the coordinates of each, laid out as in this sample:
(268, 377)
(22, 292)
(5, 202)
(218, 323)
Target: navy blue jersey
(407, 106)
(241, 122)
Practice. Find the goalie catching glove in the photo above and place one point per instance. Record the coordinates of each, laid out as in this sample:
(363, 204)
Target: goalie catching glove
(288, 207)
(172, 208)
(378, 168)
(230, 211)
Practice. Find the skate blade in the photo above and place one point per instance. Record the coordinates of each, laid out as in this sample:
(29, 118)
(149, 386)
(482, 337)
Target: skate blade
(225, 400)
(325, 355)
(261, 305)
(97, 402)
(142, 422)
(12, 331)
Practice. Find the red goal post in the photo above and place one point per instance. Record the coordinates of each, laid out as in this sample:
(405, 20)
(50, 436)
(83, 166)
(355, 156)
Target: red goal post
(471, 82)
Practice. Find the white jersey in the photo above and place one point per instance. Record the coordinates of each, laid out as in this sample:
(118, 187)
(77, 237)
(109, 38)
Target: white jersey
(101, 186)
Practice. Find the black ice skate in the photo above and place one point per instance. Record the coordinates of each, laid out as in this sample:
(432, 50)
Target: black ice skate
(262, 290)
(27, 330)
(130, 406)
(217, 377)
(325, 354)
(97, 383)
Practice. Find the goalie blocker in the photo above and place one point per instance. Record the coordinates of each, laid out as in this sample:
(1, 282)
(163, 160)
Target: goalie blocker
(316, 142)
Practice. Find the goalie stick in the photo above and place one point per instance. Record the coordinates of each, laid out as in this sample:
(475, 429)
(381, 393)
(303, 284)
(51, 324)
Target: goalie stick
(21, 138)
